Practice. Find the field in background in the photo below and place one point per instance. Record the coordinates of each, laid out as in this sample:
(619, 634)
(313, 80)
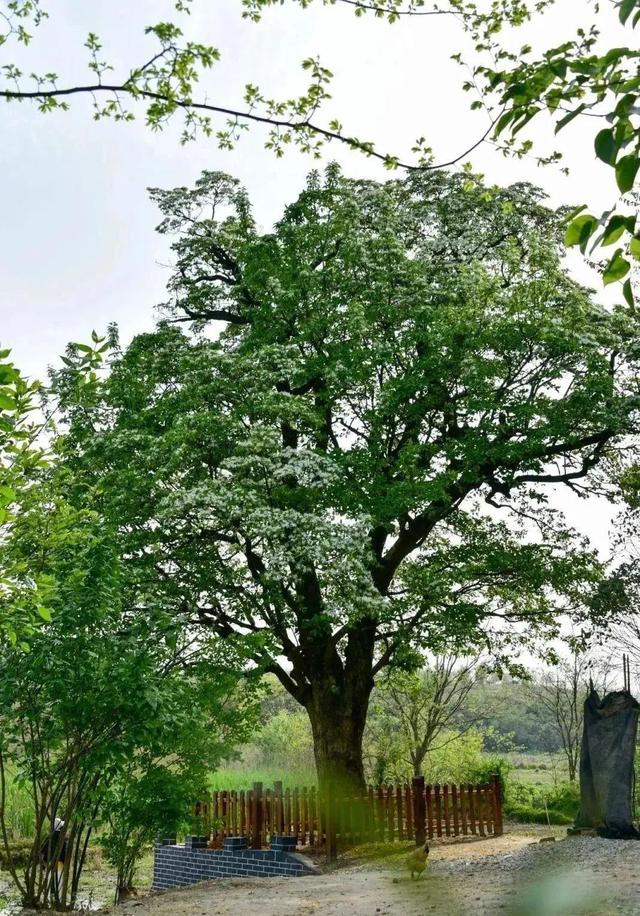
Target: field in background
(537, 769)
(238, 777)
(529, 769)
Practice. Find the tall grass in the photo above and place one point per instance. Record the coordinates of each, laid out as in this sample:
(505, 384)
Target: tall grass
(243, 778)
(19, 814)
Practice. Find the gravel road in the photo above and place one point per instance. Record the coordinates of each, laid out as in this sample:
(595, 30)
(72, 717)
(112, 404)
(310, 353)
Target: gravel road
(511, 875)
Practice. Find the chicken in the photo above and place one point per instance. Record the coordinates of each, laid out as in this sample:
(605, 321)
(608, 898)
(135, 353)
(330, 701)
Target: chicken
(417, 861)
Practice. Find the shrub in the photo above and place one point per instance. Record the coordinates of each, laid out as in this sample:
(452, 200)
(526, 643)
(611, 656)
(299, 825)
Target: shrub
(526, 814)
(488, 766)
(19, 852)
(144, 804)
(458, 758)
(532, 804)
(285, 741)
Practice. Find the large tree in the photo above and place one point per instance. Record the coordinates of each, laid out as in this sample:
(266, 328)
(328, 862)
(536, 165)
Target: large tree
(336, 446)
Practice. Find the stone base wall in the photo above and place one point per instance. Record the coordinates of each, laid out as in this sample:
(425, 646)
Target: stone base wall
(178, 866)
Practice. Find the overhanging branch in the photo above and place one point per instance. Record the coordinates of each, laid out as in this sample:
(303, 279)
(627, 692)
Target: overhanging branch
(301, 126)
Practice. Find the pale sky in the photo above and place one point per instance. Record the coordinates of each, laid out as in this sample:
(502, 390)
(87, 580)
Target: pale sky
(77, 243)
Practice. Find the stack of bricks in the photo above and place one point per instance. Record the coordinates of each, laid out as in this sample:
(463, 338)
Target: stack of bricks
(178, 866)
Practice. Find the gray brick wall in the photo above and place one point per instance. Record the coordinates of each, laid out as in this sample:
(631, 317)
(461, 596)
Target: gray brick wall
(178, 866)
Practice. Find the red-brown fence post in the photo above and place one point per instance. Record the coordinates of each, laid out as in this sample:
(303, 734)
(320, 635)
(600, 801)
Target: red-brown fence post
(399, 812)
(419, 810)
(454, 809)
(437, 804)
(256, 816)
(277, 825)
(497, 804)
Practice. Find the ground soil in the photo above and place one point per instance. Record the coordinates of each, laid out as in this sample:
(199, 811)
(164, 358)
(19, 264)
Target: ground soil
(514, 875)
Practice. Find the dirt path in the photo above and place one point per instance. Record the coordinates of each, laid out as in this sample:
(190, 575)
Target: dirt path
(508, 875)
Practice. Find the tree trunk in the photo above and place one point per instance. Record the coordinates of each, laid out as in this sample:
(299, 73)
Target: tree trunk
(338, 714)
(338, 719)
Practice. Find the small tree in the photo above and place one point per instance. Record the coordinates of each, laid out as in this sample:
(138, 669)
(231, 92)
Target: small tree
(413, 714)
(144, 802)
(99, 697)
(562, 691)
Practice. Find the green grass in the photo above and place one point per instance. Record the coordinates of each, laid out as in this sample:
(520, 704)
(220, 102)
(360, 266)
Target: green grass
(537, 769)
(239, 778)
(19, 814)
(529, 769)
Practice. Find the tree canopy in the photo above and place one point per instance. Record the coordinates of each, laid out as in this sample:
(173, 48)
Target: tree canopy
(340, 462)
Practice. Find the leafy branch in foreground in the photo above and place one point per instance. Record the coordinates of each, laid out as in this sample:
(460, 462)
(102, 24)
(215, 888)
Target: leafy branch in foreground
(23, 594)
(166, 82)
(579, 79)
(575, 79)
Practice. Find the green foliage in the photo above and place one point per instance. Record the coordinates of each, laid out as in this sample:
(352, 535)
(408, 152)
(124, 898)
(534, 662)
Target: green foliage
(165, 85)
(143, 803)
(517, 718)
(23, 591)
(167, 81)
(576, 78)
(19, 817)
(460, 758)
(413, 712)
(242, 776)
(490, 765)
(392, 357)
(100, 695)
(534, 805)
(286, 742)
(16, 854)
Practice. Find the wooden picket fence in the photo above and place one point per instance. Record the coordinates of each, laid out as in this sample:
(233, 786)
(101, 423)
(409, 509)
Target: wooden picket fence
(409, 811)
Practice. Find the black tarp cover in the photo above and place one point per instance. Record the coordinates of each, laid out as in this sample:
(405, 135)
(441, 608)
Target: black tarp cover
(606, 764)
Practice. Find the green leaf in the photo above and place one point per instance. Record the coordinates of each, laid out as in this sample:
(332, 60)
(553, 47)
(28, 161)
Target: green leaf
(634, 246)
(626, 8)
(579, 230)
(626, 171)
(616, 269)
(45, 613)
(571, 215)
(606, 146)
(7, 495)
(7, 403)
(503, 121)
(569, 117)
(627, 292)
(615, 228)
(7, 374)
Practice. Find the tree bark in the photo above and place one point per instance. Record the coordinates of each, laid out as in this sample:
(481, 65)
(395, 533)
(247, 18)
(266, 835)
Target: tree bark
(338, 716)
